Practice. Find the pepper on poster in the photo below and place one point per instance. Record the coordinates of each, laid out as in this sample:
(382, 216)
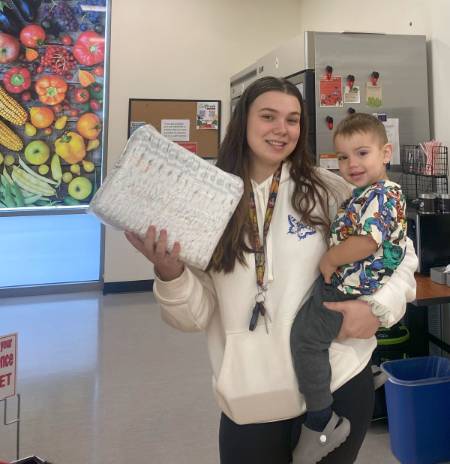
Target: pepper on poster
(331, 91)
(207, 115)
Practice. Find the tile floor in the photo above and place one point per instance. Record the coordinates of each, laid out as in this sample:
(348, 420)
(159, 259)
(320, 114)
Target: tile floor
(104, 381)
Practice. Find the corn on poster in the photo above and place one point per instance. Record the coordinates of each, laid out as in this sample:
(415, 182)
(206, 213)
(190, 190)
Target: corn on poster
(8, 365)
(52, 67)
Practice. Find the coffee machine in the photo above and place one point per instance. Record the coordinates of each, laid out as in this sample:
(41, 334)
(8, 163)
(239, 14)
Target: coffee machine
(430, 233)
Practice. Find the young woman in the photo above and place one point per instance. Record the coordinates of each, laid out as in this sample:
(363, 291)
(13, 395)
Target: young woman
(261, 272)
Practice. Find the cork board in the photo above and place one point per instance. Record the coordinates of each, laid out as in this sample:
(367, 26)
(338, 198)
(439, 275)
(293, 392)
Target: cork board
(200, 137)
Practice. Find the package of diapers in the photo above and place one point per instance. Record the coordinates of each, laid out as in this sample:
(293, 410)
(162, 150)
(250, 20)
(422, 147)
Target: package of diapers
(158, 182)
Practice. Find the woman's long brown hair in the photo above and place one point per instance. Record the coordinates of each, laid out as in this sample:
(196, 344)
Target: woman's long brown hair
(234, 158)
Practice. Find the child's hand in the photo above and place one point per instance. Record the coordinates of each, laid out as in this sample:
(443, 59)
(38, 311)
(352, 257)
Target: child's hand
(327, 268)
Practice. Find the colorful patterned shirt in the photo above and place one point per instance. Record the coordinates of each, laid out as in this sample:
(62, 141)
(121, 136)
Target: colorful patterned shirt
(377, 210)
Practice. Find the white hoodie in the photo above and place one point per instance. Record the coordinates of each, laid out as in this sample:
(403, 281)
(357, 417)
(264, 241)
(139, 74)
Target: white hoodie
(253, 375)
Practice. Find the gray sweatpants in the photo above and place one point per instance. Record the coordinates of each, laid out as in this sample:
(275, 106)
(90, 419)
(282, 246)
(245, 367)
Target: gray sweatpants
(313, 330)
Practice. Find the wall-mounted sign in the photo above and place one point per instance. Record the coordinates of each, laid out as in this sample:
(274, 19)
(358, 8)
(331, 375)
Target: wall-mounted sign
(8, 365)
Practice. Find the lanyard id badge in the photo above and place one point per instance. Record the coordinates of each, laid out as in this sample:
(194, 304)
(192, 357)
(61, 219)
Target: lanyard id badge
(260, 248)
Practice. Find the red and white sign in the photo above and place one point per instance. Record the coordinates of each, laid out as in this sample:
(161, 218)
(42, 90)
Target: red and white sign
(8, 365)
(191, 146)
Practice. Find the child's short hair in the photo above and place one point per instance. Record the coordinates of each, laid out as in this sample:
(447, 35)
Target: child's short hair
(361, 122)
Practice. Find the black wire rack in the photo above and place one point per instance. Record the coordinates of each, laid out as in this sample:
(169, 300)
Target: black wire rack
(423, 172)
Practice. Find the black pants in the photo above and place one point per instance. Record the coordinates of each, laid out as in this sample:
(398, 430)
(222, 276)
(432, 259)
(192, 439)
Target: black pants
(273, 442)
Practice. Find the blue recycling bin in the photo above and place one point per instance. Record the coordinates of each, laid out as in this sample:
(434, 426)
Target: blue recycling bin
(418, 405)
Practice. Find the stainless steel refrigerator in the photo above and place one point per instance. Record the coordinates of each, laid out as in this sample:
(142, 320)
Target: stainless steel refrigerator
(399, 94)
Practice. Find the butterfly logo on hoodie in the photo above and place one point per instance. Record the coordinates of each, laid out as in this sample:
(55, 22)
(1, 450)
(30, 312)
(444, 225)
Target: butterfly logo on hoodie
(298, 228)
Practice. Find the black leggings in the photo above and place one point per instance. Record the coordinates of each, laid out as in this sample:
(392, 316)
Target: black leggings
(273, 442)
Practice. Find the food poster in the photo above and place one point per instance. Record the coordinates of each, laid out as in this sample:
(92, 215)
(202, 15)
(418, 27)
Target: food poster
(207, 115)
(331, 91)
(52, 71)
(374, 95)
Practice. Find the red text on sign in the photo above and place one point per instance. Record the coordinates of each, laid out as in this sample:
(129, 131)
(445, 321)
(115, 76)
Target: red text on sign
(6, 360)
(5, 344)
(5, 380)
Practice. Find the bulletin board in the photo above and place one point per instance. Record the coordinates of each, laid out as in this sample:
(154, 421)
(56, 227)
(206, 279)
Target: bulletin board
(195, 122)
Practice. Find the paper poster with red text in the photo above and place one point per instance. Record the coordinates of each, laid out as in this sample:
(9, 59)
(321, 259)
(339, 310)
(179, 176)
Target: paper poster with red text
(8, 365)
(331, 91)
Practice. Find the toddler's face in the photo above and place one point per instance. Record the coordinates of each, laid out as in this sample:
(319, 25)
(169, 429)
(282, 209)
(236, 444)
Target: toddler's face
(362, 158)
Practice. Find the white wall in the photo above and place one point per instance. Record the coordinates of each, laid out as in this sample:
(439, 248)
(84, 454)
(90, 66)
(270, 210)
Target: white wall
(179, 49)
(384, 16)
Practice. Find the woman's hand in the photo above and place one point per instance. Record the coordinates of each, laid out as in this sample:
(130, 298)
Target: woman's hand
(358, 322)
(167, 265)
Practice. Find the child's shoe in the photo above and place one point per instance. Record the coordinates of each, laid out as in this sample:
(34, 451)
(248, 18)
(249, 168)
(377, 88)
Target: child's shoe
(313, 446)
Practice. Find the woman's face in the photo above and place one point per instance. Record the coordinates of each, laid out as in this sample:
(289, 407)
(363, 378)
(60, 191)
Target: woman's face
(273, 128)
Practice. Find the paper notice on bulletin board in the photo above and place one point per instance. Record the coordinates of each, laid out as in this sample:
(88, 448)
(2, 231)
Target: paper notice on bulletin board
(134, 125)
(176, 130)
(392, 132)
(331, 91)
